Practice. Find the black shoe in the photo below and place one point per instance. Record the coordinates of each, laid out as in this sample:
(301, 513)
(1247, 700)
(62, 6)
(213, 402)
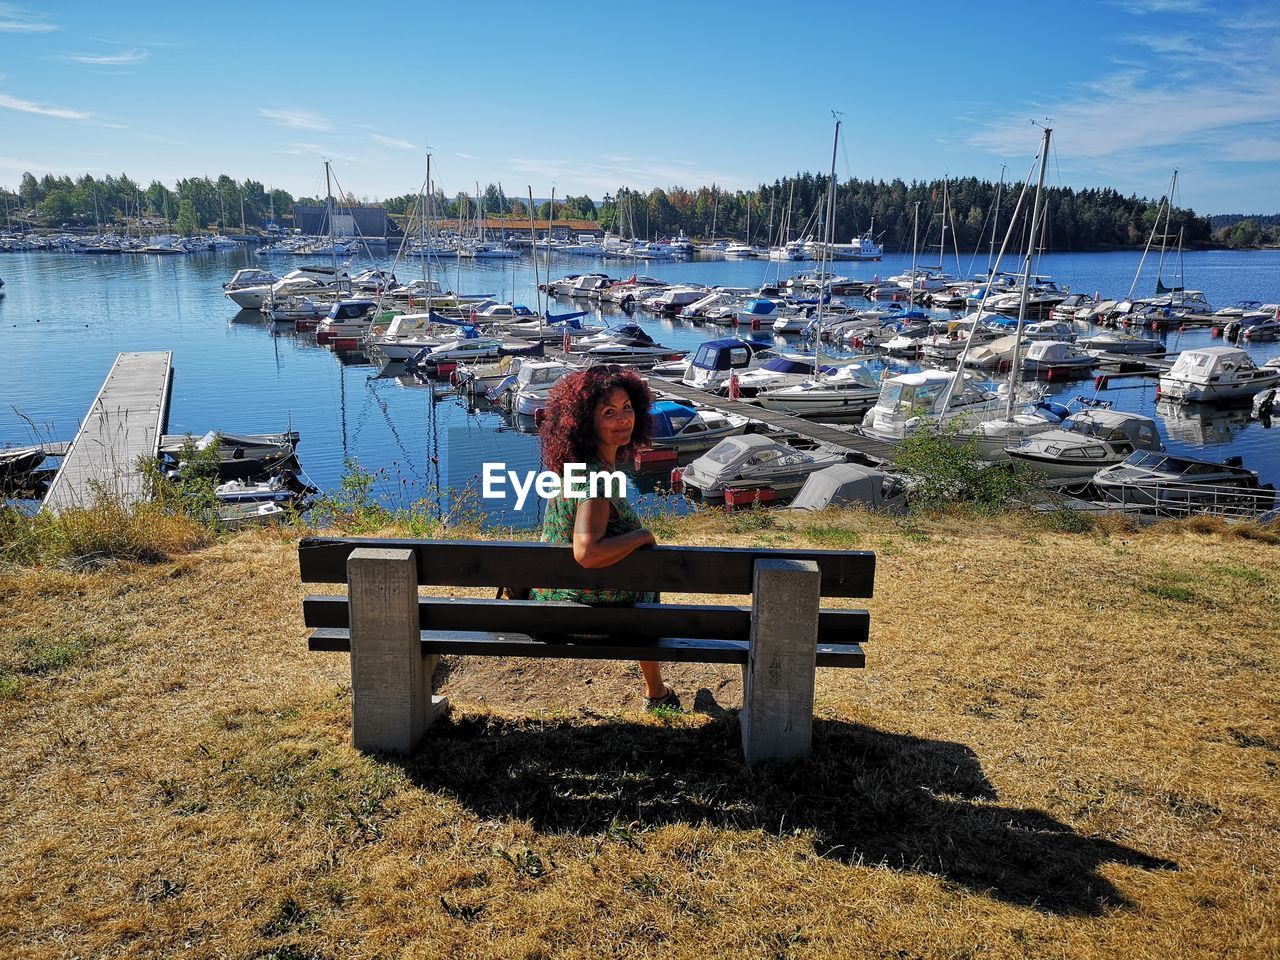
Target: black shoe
(668, 701)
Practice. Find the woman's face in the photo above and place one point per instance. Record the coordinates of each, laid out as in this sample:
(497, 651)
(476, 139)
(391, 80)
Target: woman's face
(614, 419)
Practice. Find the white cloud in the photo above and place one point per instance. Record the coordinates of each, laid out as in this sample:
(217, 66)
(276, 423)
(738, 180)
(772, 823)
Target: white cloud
(1141, 7)
(465, 156)
(297, 119)
(393, 142)
(123, 59)
(26, 106)
(14, 19)
(314, 150)
(619, 170)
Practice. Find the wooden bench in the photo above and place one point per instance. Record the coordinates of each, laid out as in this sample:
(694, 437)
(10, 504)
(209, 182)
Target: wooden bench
(395, 636)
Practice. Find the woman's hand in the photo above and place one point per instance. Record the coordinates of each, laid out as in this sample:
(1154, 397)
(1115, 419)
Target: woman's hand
(591, 548)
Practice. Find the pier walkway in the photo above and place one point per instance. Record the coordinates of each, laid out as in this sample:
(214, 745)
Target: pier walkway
(123, 425)
(873, 451)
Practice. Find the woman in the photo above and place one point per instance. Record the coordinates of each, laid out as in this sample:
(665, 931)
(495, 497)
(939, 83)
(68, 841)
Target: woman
(595, 417)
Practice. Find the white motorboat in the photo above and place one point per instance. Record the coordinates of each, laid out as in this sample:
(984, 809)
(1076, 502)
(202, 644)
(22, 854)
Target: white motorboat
(1122, 344)
(1211, 374)
(1044, 356)
(753, 460)
(674, 299)
(780, 370)
(1180, 485)
(848, 391)
(531, 386)
(678, 426)
(626, 344)
(1084, 443)
(346, 318)
(717, 360)
(406, 335)
(911, 401)
(249, 277)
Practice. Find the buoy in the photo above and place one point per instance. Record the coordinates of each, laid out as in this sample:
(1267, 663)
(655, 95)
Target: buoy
(755, 323)
(677, 480)
(1215, 331)
(1100, 382)
(539, 415)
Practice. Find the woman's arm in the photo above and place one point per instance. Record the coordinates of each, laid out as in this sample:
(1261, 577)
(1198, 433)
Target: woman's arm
(591, 548)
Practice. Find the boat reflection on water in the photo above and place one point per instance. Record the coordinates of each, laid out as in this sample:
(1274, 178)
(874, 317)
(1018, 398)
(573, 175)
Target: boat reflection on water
(1202, 424)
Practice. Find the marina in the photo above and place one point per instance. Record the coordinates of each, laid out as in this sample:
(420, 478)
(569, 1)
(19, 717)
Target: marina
(243, 373)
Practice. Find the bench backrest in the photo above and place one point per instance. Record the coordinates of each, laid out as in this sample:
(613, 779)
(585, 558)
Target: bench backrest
(671, 569)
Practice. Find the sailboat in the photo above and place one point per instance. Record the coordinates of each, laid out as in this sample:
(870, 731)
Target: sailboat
(852, 388)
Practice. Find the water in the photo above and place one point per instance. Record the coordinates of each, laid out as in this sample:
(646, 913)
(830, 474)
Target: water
(65, 317)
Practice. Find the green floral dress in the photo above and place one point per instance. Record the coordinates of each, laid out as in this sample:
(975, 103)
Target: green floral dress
(557, 527)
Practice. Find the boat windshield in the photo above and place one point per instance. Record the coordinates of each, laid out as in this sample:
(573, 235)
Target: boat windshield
(724, 453)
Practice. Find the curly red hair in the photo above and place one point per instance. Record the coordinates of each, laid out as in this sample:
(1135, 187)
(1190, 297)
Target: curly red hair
(568, 432)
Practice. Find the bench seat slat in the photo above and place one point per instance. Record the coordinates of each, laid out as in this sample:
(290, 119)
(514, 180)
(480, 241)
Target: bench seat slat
(668, 649)
(538, 617)
(460, 563)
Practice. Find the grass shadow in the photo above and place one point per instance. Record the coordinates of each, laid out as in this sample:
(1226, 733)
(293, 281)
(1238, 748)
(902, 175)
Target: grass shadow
(867, 798)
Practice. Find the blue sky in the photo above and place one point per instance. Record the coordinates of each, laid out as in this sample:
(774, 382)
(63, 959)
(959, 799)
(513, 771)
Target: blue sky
(587, 97)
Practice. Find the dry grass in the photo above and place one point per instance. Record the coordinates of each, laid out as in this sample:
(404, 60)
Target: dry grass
(1063, 745)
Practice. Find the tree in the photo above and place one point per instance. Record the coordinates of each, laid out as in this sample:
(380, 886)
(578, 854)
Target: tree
(187, 223)
(1246, 233)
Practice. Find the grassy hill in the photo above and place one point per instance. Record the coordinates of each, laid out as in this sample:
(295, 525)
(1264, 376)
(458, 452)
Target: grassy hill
(1064, 744)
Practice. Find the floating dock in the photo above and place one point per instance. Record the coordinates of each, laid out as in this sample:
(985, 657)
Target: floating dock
(124, 424)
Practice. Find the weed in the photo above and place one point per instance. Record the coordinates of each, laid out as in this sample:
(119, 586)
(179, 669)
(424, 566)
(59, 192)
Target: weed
(748, 521)
(288, 916)
(1065, 519)
(1168, 591)
(40, 655)
(465, 912)
(829, 535)
(10, 687)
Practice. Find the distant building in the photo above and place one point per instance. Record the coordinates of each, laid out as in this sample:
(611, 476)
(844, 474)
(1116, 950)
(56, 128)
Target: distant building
(502, 228)
(362, 221)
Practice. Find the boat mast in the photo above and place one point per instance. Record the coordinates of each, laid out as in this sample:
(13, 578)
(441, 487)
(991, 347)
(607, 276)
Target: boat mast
(995, 223)
(1164, 236)
(915, 249)
(824, 282)
(537, 293)
(333, 243)
(1151, 239)
(550, 230)
(1026, 273)
(426, 207)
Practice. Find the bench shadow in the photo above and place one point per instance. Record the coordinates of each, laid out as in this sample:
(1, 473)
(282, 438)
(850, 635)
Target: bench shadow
(868, 798)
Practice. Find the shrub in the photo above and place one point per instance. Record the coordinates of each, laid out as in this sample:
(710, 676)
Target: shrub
(948, 470)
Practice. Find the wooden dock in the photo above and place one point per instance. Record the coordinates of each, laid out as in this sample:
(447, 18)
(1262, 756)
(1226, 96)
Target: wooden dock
(124, 424)
(871, 451)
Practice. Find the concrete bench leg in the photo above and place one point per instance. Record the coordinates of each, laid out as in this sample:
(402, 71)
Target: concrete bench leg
(777, 688)
(391, 701)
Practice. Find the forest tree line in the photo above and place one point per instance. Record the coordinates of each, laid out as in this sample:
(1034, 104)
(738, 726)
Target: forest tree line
(1086, 219)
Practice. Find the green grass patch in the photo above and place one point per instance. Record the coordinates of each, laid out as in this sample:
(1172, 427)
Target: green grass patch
(40, 656)
(10, 687)
(1171, 591)
(832, 537)
(1247, 574)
